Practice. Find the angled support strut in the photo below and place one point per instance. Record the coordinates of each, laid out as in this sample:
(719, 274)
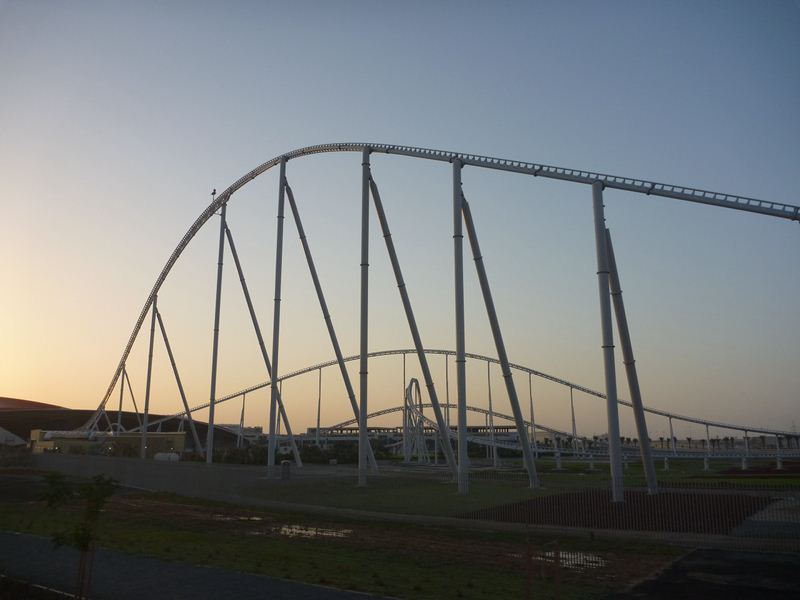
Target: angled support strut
(260, 338)
(328, 322)
(630, 371)
(198, 448)
(511, 389)
(607, 333)
(444, 430)
(143, 447)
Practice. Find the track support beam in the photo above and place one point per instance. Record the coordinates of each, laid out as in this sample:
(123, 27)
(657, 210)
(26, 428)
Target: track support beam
(121, 395)
(443, 428)
(630, 371)
(276, 323)
(143, 447)
(215, 348)
(612, 411)
(198, 447)
(511, 389)
(260, 338)
(461, 359)
(363, 439)
(337, 350)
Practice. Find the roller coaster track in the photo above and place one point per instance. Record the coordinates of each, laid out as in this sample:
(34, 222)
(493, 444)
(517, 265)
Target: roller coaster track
(480, 357)
(774, 209)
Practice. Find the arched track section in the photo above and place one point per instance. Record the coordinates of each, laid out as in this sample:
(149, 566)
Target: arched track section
(482, 358)
(474, 409)
(775, 209)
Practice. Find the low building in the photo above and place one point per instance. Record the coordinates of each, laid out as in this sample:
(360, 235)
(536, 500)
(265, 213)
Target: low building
(99, 442)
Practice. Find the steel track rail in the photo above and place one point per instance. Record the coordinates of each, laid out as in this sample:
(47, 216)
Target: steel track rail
(774, 209)
(481, 357)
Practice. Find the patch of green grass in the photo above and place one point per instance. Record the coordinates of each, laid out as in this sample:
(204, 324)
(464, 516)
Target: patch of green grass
(403, 495)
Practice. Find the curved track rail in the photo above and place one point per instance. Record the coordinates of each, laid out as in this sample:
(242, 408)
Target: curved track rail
(483, 358)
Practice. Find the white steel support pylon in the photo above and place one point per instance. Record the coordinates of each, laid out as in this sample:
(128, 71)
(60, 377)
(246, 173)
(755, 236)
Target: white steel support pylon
(121, 396)
(519, 421)
(461, 359)
(443, 428)
(133, 397)
(198, 447)
(612, 411)
(260, 339)
(143, 446)
(276, 323)
(630, 371)
(363, 438)
(215, 348)
(337, 350)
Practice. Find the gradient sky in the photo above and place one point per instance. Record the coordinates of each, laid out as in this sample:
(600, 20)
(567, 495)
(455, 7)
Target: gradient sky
(118, 118)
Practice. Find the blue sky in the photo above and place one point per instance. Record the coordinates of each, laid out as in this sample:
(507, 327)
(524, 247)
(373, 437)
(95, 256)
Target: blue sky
(118, 118)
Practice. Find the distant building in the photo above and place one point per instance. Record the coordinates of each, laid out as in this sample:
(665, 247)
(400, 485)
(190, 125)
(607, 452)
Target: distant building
(99, 442)
(19, 418)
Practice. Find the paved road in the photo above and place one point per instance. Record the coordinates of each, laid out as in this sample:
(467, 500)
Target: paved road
(122, 576)
(724, 575)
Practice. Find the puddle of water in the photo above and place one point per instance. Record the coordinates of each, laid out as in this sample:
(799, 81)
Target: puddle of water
(577, 561)
(235, 518)
(301, 531)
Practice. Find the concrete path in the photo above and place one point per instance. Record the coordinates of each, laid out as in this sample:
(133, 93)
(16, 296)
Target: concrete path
(121, 576)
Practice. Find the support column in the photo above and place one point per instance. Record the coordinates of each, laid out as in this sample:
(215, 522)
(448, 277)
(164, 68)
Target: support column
(461, 359)
(260, 338)
(511, 389)
(491, 413)
(276, 323)
(278, 418)
(557, 450)
(143, 447)
(214, 351)
(406, 417)
(195, 437)
(447, 391)
(121, 394)
(240, 437)
(630, 371)
(612, 410)
(443, 429)
(133, 397)
(746, 444)
(673, 443)
(283, 416)
(326, 315)
(363, 439)
(574, 429)
(319, 405)
(533, 419)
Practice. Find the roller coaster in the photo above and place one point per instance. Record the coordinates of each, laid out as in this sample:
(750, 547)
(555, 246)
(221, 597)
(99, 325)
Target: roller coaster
(418, 426)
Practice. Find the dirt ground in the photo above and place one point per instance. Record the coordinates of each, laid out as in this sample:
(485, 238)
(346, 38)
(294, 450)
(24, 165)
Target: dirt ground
(686, 512)
(533, 556)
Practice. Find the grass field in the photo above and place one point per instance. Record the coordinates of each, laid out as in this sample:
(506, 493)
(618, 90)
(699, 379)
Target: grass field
(397, 559)
(437, 496)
